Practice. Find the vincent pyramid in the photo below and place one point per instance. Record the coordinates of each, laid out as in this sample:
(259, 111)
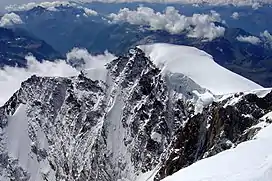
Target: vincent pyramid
(158, 111)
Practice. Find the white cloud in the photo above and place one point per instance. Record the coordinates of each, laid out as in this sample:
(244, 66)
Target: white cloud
(267, 37)
(249, 39)
(90, 61)
(235, 15)
(196, 5)
(256, 5)
(204, 26)
(199, 25)
(215, 16)
(11, 77)
(52, 9)
(10, 19)
(89, 12)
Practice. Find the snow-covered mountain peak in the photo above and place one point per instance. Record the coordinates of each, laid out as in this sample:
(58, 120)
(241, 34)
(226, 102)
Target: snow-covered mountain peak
(92, 129)
(198, 66)
(46, 123)
(136, 123)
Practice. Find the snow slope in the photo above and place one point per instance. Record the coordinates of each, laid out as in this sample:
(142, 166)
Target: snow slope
(249, 161)
(198, 66)
(19, 146)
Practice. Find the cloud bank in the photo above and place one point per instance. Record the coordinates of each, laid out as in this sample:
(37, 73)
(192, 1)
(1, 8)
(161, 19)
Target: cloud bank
(12, 77)
(249, 39)
(10, 19)
(199, 25)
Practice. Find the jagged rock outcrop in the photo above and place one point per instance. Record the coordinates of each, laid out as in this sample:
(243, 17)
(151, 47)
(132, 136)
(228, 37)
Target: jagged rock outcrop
(95, 130)
(61, 115)
(219, 127)
(141, 119)
(135, 121)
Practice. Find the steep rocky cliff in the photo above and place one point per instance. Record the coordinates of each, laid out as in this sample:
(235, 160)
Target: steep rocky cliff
(219, 127)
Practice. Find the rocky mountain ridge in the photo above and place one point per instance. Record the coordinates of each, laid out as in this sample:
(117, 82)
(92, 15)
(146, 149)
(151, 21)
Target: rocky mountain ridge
(134, 122)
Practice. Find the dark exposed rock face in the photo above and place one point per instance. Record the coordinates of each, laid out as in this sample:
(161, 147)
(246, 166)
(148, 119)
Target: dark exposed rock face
(129, 124)
(218, 128)
(146, 110)
(117, 130)
(60, 108)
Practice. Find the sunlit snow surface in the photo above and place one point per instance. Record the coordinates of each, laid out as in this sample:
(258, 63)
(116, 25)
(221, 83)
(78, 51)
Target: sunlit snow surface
(19, 146)
(198, 66)
(249, 161)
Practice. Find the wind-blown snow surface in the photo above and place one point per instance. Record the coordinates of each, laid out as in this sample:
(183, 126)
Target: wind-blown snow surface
(198, 66)
(249, 161)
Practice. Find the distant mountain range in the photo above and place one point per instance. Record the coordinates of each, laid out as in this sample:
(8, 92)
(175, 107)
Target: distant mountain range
(69, 28)
(17, 43)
